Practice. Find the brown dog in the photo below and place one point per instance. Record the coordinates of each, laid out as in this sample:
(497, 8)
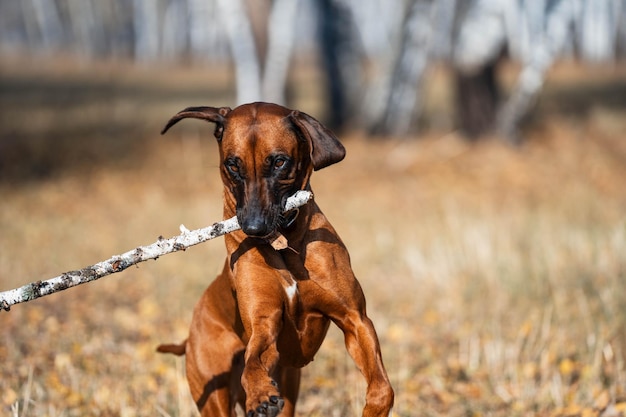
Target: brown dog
(266, 315)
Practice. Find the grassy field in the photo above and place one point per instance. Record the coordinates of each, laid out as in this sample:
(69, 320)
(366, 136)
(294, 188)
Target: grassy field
(495, 276)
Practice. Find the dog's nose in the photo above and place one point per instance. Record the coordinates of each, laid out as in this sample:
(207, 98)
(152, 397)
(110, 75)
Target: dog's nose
(255, 227)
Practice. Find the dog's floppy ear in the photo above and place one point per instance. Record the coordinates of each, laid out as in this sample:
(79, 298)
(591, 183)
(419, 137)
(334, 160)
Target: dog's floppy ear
(216, 115)
(325, 147)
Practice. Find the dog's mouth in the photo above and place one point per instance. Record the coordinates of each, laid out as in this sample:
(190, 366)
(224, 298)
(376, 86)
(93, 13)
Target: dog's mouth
(258, 224)
(266, 227)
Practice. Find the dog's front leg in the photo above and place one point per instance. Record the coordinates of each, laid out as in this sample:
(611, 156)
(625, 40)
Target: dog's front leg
(261, 302)
(340, 297)
(262, 396)
(363, 346)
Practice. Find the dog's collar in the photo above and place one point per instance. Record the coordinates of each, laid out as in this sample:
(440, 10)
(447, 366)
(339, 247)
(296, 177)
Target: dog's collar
(277, 240)
(289, 218)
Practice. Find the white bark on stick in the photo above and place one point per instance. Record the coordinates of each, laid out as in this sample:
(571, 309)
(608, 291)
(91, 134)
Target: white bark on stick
(118, 263)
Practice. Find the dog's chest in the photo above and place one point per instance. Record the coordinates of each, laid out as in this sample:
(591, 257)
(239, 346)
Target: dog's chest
(304, 328)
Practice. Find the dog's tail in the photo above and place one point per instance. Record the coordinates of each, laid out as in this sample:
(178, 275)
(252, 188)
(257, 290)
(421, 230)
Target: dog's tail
(178, 350)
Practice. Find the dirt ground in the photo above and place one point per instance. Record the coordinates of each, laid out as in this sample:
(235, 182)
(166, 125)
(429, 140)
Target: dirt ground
(495, 275)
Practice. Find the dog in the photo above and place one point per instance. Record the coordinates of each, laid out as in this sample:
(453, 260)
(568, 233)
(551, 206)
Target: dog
(265, 316)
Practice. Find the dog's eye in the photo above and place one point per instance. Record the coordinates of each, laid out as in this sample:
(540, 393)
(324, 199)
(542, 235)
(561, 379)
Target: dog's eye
(232, 166)
(279, 162)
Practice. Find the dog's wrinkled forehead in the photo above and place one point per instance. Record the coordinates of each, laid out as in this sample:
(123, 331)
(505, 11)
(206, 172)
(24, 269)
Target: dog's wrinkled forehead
(263, 127)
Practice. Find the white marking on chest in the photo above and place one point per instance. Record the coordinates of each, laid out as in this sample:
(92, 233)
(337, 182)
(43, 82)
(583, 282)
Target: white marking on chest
(292, 290)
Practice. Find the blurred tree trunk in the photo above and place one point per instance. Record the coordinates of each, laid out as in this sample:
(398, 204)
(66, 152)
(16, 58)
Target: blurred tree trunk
(341, 61)
(599, 28)
(175, 29)
(206, 35)
(146, 29)
(479, 38)
(84, 26)
(281, 34)
(48, 23)
(243, 50)
(404, 98)
(477, 97)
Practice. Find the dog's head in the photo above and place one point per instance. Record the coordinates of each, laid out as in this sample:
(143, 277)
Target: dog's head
(267, 153)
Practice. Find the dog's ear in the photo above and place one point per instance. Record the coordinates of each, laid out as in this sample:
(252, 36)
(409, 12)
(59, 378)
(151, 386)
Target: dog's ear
(216, 115)
(325, 147)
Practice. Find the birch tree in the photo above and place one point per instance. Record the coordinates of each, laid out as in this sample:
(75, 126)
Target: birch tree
(243, 50)
(281, 36)
(146, 30)
(403, 99)
(48, 22)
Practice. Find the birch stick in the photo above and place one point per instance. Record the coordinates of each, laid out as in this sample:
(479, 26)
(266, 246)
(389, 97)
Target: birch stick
(118, 263)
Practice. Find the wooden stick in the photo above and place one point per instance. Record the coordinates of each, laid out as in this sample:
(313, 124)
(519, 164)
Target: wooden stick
(118, 263)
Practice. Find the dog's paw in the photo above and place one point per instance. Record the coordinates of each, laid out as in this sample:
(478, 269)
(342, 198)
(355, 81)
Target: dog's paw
(269, 408)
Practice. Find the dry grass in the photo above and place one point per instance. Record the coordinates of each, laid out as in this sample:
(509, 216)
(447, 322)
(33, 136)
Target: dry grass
(495, 276)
